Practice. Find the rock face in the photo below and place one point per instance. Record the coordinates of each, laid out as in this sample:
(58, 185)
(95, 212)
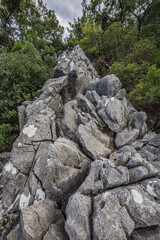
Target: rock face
(84, 166)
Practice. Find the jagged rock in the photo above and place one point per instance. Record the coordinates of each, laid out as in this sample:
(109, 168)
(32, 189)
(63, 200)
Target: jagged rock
(56, 232)
(13, 182)
(93, 141)
(111, 220)
(126, 137)
(139, 122)
(93, 97)
(86, 106)
(107, 86)
(36, 219)
(69, 119)
(113, 112)
(78, 212)
(66, 168)
(42, 128)
(22, 156)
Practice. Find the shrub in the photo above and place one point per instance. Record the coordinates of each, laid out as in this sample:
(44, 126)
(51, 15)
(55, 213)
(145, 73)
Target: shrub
(148, 89)
(5, 137)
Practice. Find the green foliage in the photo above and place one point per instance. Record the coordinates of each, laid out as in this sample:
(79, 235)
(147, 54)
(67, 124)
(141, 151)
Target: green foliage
(143, 50)
(148, 89)
(22, 73)
(23, 19)
(118, 40)
(5, 139)
(129, 73)
(92, 41)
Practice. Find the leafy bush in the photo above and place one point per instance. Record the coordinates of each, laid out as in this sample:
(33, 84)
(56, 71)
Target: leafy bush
(129, 73)
(144, 50)
(148, 89)
(22, 73)
(118, 40)
(5, 137)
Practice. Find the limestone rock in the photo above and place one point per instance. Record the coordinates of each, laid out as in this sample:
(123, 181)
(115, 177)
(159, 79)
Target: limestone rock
(93, 141)
(107, 86)
(69, 119)
(93, 97)
(36, 219)
(78, 212)
(126, 137)
(66, 167)
(113, 112)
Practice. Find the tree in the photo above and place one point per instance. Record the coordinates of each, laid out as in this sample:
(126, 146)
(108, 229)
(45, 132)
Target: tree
(26, 18)
(92, 41)
(22, 73)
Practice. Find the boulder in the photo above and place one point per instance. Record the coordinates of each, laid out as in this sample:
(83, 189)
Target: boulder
(93, 141)
(107, 86)
(113, 112)
(78, 211)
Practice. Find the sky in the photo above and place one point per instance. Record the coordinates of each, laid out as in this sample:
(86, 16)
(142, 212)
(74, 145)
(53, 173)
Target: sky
(66, 10)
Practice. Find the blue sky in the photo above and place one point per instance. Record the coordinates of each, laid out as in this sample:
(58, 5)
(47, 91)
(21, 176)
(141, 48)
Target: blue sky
(66, 10)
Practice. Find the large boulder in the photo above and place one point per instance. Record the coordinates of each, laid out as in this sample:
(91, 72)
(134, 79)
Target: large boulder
(107, 86)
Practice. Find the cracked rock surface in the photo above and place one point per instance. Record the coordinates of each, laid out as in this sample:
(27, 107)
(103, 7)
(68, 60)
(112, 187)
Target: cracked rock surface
(85, 166)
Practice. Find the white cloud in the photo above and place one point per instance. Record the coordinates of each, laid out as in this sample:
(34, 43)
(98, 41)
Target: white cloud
(66, 10)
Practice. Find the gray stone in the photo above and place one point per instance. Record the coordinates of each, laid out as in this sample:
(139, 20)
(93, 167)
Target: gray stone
(65, 169)
(86, 106)
(22, 156)
(13, 182)
(78, 212)
(21, 116)
(139, 122)
(155, 142)
(56, 232)
(121, 94)
(69, 119)
(42, 128)
(93, 141)
(113, 112)
(107, 86)
(126, 137)
(110, 219)
(93, 97)
(36, 219)
(93, 183)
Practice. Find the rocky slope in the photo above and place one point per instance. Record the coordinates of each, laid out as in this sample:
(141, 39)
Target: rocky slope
(84, 166)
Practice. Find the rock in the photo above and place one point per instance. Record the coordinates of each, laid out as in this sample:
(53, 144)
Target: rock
(4, 158)
(155, 142)
(56, 232)
(42, 128)
(110, 219)
(22, 156)
(93, 183)
(121, 94)
(78, 211)
(13, 182)
(69, 119)
(85, 105)
(36, 219)
(93, 97)
(139, 122)
(107, 86)
(126, 137)
(65, 169)
(113, 112)
(93, 141)
(21, 116)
